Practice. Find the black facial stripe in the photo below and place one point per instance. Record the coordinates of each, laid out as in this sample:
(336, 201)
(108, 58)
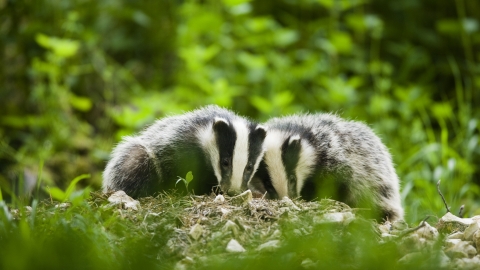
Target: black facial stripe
(263, 174)
(256, 137)
(225, 137)
(290, 155)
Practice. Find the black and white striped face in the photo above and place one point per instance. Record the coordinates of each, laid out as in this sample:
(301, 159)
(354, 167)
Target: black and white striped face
(287, 163)
(235, 149)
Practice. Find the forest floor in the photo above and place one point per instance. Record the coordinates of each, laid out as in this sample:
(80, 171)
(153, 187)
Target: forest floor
(183, 232)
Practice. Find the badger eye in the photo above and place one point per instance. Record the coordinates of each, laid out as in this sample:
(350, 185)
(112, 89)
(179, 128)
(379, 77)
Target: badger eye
(291, 178)
(249, 167)
(225, 162)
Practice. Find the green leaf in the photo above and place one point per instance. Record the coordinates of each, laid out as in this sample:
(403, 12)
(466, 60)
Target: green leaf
(56, 193)
(74, 182)
(180, 179)
(189, 177)
(235, 2)
(61, 47)
(83, 104)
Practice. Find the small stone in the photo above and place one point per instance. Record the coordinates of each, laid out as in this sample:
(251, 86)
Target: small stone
(427, 232)
(308, 264)
(242, 199)
(232, 227)
(451, 242)
(450, 223)
(388, 236)
(269, 246)
(468, 263)
(234, 247)
(343, 218)
(288, 202)
(385, 227)
(276, 234)
(399, 225)
(470, 230)
(62, 206)
(196, 231)
(219, 198)
(455, 235)
(462, 249)
(225, 212)
(476, 240)
(120, 197)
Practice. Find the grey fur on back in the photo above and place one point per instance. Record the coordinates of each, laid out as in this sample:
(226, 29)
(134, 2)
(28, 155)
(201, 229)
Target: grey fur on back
(343, 146)
(140, 164)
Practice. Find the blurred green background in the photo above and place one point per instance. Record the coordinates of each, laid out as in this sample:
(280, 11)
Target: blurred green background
(77, 75)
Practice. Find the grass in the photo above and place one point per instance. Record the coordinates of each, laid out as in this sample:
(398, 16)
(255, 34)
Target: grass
(93, 234)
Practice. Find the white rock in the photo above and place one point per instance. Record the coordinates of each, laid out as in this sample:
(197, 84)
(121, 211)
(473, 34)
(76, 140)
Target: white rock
(63, 205)
(468, 263)
(388, 236)
(427, 232)
(451, 242)
(120, 197)
(470, 230)
(243, 198)
(286, 201)
(343, 218)
(476, 240)
(276, 234)
(269, 246)
(196, 231)
(225, 212)
(385, 227)
(450, 223)
(219, 198)
(462, 249)
(455, 235)
(308, 264)
(232, 227)
(234, 247)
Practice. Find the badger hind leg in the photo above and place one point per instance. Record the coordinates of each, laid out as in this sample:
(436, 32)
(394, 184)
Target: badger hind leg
(132, 170)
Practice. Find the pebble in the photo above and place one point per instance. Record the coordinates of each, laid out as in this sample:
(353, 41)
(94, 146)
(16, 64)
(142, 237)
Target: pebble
(232, 227)
(219, 198)
(120, 197)
(427, 232)
(269, 246)
(234, 247)
(196, 231)
(470, 230)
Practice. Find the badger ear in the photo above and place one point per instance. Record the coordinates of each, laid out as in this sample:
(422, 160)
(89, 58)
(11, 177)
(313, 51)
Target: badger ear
(220, 124)
(294, 143)
(260, 132)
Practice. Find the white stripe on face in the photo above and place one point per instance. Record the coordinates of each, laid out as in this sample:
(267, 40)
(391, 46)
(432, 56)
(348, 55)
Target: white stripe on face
(240, 154)
(209, 144)
(305, 165)
(273, 159)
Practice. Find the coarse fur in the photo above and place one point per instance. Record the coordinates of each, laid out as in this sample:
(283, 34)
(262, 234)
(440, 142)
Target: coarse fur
(322, 155)
(218, 146)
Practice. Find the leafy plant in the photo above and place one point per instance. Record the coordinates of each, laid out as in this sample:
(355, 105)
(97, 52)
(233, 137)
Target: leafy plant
(69, 194)
(188, 178)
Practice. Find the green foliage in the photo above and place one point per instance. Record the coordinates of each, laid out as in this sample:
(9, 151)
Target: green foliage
(69, 194)
(82, 74)
(188, 178)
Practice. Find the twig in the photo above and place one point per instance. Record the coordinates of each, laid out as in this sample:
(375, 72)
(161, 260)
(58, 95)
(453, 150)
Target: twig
(460, 212)
(441, 195)
(422, 224)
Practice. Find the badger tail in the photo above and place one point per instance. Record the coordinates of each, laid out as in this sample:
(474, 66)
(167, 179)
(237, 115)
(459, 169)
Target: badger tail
(132, 168)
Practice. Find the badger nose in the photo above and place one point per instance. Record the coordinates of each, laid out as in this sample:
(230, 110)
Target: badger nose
(232, 192)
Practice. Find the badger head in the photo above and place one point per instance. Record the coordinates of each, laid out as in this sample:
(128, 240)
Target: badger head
(287, 163)
(235, 149)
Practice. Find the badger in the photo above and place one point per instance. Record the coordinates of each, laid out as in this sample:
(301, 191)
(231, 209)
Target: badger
(321, 155)
(219, 147)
